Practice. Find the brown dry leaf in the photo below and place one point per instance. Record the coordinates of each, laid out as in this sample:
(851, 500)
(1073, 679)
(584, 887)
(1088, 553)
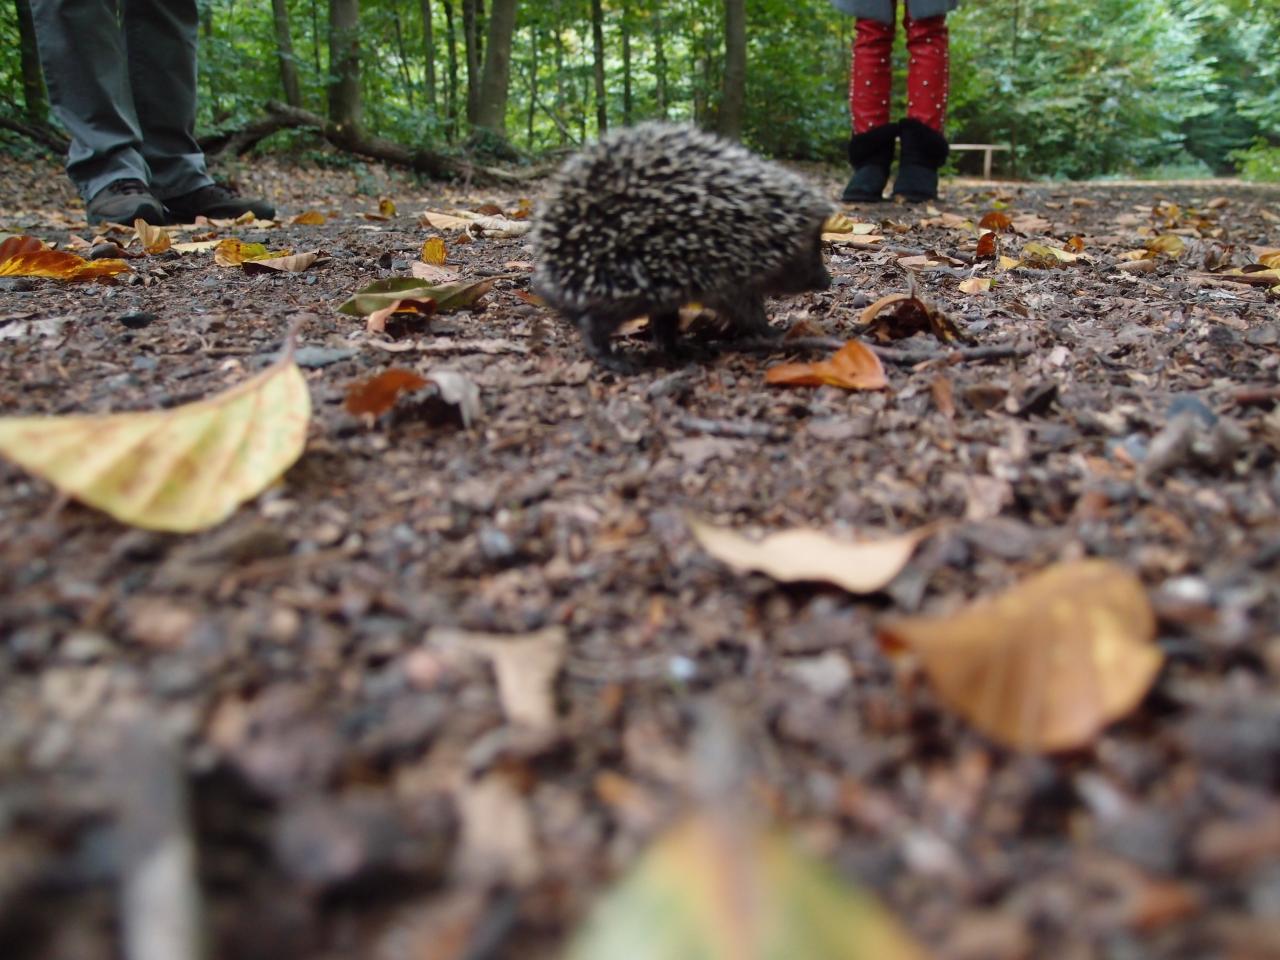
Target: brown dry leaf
(901, 315)
(943, 396)
(800, 555)
(526, 667)
(499, 841)
(433, 274)
(853, 367)
(1043, 256)
(1271, 260)
(852, 240)
(309, 218)
(378, 395)
(376, 322)
(995, 220)
(1047, 664)
(975, 285)
(294, 264)
(1169, 244)
(1075, 244)
(232, 252)
(434, 251)
(988, 246)
(153, 239)
(24, 256)
(444, 221)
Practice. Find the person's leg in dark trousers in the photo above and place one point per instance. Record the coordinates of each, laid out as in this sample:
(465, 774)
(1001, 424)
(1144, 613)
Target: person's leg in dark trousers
(160, 40)
(83, 55)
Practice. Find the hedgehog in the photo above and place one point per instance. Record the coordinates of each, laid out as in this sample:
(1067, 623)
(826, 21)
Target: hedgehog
(659, 215)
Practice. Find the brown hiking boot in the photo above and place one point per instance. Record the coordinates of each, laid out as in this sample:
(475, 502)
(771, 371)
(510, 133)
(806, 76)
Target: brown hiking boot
(124, 201)
(216, 202)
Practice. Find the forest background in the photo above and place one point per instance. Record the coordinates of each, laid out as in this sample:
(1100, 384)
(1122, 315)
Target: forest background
(1187, 88)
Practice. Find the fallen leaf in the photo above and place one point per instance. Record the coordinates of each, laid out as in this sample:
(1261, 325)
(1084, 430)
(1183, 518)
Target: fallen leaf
(434, 274)
(376, 322)
(293, 264)
(181, 469)
(1169, 244)
(1075, 244)
(710, 888)
(1047, 664)
(525, 666)
(444, 221)
(1043, 256)
(309, 218)
(196, 246)
(988, 247)
(447, 297)
(153, 239)
(805, 555)
(901, 315)
(376, 396)
(386, 207)
(975, 285)
(232, 252)
(995, 220)
(499, 842)
(853, 367)
(458, 391)
(434, 251)
(24, 256)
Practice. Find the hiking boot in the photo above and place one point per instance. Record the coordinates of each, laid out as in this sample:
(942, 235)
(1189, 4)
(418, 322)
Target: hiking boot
(124, 201)
(924, 150)
(871, 156)
(217, 202)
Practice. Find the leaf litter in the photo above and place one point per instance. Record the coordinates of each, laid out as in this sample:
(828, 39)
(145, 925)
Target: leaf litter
(287, 644)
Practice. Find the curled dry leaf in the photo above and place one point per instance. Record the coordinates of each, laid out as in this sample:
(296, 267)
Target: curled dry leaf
(975, 285)
(853, 367)
(379, 300)
(988, 246)
(434, 251)
(1043, 256)
(180, 469)
(25, 256)
(153, 239)
(717, 889)
(309, 218)
(232, 252)
(459, 391)
(995, 220)
(1046, 665)
(801, 555)
(294, 264)
(376, 322)
(901, 315)
(376, 396)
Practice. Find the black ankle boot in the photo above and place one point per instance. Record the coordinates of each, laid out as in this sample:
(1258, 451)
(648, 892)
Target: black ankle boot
(871, 155)
(924, 150)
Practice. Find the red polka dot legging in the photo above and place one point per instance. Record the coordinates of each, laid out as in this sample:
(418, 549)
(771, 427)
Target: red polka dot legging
(928, 71)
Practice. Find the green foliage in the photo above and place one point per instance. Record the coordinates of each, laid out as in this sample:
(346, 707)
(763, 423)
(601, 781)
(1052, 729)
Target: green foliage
(1260, 162)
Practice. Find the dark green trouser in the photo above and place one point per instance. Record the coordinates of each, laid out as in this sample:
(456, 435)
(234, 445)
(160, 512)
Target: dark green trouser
(122, 79)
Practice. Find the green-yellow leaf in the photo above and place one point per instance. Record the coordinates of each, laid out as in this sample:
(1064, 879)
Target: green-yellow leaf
(708, 891)
(182, 469)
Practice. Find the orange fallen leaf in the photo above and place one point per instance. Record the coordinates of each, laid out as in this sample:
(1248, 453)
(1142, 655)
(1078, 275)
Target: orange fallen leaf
(975, 285)
(153, 239)
(988, 246)
(854, 367)
(232, 252)
(1075, 245)
(995, 220)
(25, 256)
(434, 251)
(378, 395)
(1047, 664)
(310, 218)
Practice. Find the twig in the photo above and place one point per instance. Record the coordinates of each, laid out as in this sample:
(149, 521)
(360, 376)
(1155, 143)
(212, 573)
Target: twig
(1255, 396)
(740, 429)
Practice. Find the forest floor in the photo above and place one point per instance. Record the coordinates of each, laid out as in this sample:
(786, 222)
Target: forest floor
(358, 787)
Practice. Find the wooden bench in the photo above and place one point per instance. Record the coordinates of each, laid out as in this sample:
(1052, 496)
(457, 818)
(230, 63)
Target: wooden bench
(987, 150)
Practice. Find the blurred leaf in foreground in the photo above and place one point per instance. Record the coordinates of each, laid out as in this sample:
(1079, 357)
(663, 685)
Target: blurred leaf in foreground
(712, 890)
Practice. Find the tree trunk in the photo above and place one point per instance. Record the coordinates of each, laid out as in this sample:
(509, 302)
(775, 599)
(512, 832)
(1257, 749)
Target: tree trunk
(451, 86)
(628, 98)
(315, 36)
(345, 107)
(491, 111)
(471, 38)
(405, 79)
(659, 65)
(429, 49)
(533, 84)
(35, 102)
(561, 96)
(733, 95)
(284, 53)
(597, 51)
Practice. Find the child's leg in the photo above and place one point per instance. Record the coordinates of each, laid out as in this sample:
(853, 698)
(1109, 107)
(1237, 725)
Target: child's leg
(924, 148)
(874, 137)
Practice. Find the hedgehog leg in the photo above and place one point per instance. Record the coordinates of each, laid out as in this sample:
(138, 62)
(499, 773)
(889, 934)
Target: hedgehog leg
(596, 330)
(748, 318)
(664, 328)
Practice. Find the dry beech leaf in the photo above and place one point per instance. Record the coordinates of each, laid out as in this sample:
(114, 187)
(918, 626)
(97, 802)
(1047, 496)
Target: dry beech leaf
(1047, 664)
(153, 239)
(232, 252)
(432, 274)
(1169, 244)
(196, 246)
(943, 396)
(721, 890)
(434, 251)
(444, 221)
(988, 246)
(800, 555)
(995, 220)
(901, 315)
(853, 367)
(1270, 260)
(1043, 256)
(182, 469)
(380, 299)
(1009, 263)
(975, 285)
(1075, 244)
(294, 264)
(376, 396)
(24, 256)
(309, 218)
(376, 322)
(853, 239)
(526, 667)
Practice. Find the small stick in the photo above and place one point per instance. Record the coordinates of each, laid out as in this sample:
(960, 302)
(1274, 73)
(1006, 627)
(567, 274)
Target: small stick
(741, 429)
(1255, 396)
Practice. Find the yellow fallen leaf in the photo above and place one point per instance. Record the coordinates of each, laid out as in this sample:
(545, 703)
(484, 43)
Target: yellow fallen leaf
(854, 366)
(386, 207)
(24, 256)
(1047, 664)
(232, 252)
(309, 218)
(714, 889)
(196, 246)
(153, 239)
(1170, 244)
(445, 221)
(1009, 263)
(434, 251)
(853, 239)
(975, 285)
(294, 264)
(838, 223)
(182, 469)
(802, 555)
